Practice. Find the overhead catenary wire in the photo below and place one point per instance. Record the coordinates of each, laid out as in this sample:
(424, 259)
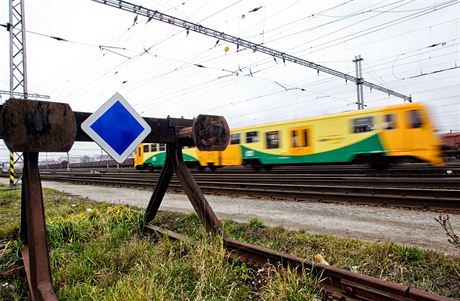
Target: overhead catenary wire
(243, 67)
(244, 43)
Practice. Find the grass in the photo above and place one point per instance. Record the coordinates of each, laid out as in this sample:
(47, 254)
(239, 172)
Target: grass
(99, 252)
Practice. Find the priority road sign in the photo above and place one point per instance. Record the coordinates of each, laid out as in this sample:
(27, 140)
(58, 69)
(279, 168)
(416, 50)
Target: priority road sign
(116, 127)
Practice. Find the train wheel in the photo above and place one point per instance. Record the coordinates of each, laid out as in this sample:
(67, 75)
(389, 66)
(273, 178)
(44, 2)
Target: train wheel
(256, 165)
(379, 162)
(268, 167)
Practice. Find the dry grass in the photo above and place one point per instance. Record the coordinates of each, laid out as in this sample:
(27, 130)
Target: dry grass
(99, 252)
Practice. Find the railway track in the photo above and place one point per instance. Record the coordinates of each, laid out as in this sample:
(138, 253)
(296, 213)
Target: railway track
(433, 193)
(337, 284)
(406, 170)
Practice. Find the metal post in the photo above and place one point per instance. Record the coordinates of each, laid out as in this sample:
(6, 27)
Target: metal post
(359, 82)
(12, 170)
(68, 162)
(33, 232)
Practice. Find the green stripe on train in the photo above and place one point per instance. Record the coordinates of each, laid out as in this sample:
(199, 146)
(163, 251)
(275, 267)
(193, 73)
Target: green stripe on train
(343, 154)
(158, 160)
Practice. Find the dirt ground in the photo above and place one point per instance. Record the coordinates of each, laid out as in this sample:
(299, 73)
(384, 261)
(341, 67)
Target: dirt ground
(402, 226)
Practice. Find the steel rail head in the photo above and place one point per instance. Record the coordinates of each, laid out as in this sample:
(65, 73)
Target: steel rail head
(210, 133)
(37, 126)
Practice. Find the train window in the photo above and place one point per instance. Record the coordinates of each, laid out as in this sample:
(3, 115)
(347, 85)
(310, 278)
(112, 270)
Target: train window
(146, 148)
(235, 139)
(252, 137)
(294, 139)
(363, 124)
(154, 147)
(162, 147)
(389, 122)
(305, 137)
(273, 139)
(299, 140)
(415, 119)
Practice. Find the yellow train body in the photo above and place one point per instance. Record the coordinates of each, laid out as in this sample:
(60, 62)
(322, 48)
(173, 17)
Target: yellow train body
(380, 136)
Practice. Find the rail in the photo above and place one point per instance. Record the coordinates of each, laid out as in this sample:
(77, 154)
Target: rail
(432, 194)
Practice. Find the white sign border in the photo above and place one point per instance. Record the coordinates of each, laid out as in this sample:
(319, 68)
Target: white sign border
(86, 127)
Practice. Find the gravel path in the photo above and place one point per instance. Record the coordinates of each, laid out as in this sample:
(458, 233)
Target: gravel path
(401, 226)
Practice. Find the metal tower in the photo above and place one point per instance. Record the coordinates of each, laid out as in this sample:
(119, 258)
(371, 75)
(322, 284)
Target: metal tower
(18, 63)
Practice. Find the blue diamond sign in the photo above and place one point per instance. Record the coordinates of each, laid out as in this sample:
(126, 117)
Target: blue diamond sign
(116, 127)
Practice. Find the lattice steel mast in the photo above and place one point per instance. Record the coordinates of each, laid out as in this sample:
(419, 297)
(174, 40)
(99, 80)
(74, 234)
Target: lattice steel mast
(18, 62)
(156, 15)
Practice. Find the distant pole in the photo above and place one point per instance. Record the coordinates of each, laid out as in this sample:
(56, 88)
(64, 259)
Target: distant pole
(68, 162)
(359, 82)
(18, 66)
(11, 169)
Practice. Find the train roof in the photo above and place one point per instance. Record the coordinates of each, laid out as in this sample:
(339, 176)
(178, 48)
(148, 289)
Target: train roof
(341, 114)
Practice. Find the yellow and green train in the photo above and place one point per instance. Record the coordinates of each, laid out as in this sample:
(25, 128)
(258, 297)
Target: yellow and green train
(379, 137)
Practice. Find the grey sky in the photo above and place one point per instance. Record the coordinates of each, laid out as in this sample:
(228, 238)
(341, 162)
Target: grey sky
(411, 46)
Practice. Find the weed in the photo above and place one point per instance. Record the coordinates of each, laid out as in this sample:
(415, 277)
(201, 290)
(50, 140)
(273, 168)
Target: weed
(255, 223)
(291, 284)
(444, 221)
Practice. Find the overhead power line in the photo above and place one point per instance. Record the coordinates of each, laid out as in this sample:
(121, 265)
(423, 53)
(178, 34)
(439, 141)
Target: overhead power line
(155, 15)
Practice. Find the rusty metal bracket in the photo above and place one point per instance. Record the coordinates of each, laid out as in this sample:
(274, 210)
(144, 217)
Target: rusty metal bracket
(33, 232)
(208, 133)
(175, 163)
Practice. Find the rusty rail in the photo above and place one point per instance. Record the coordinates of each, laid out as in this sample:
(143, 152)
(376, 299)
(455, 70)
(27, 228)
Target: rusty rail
(337, 284)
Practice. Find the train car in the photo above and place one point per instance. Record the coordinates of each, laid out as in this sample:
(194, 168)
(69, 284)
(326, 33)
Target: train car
(152, 156)
(451, 144)
(378, 137)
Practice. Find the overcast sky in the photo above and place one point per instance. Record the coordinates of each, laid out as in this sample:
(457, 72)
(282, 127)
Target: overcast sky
(410, 46)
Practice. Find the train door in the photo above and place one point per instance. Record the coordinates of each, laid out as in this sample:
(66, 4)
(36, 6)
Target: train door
(300, 140)
(232, 155)
(139, 157)
(392, 131)
(415, 131)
